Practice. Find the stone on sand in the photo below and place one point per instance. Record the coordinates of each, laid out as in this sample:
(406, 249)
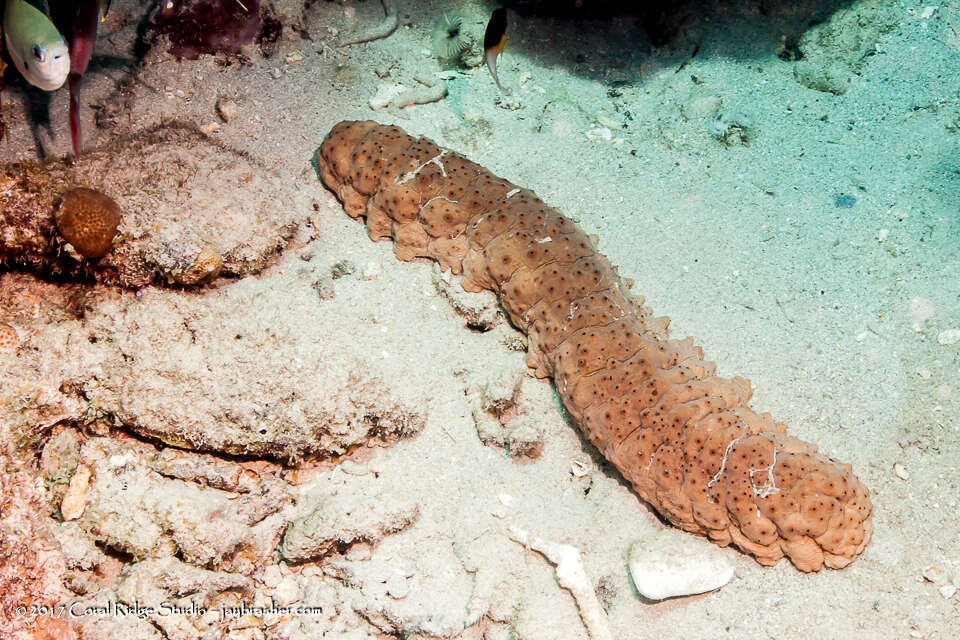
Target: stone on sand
(671, 563)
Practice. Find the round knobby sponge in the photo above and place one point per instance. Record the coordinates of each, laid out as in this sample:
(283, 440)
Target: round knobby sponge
(88, 220)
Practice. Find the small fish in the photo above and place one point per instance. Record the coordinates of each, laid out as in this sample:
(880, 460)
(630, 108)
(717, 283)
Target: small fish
(86, 15)
(36, 48)
(493, 40)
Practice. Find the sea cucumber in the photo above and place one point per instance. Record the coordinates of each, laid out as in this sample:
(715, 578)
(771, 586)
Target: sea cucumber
(685, 438)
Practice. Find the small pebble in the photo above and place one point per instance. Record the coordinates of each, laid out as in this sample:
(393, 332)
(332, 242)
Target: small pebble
(397, 587)
(844, 201)
(292, 58)
(286, 593)
(272, 576)
(921, 310)
(359, 551)
(75, 500)
(371, 271)
(510, 103)
(600, 133)
(901, 471)
(933, 574)
(353, 468)
(947, 591)
(324, 288)
(227, 109)
(950, 336)
(342, 268)
(671, 563)
(578, 468)
(276, 74)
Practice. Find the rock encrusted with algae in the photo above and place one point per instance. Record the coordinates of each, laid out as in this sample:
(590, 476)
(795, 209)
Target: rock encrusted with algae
(180, 224)
(336, 514)
(685, 438)
(132, 509)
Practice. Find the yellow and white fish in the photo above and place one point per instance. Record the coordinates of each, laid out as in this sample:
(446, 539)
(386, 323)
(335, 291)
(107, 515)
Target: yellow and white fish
(36, 48)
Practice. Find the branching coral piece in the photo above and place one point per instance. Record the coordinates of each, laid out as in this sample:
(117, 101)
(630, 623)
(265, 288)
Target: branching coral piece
(380, 30)
(433, 90)
(685, 438)
(573, 577)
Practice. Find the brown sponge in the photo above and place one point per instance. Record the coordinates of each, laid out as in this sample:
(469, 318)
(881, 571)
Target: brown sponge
(685, 439)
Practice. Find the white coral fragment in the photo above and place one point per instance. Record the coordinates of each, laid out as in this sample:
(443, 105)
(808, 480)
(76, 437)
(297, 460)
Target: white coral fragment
(671, 563)
(573, 577)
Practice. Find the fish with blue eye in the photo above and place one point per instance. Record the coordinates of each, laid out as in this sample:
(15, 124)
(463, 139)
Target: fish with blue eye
(37, 49)
(44, 57)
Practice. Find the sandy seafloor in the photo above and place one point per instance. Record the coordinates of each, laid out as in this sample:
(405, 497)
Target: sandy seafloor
(838, 314)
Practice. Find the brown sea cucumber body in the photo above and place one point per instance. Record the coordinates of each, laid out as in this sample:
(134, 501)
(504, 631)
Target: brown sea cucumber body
(685, 438)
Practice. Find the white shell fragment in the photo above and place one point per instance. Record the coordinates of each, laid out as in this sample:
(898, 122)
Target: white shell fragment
(901, 471)
(671, 563)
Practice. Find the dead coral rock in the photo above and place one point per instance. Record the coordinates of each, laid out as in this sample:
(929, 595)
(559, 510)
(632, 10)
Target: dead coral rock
(341, 512)
(59, 459)
(132, 509)
(209, 373)
(835, 51)
(79, 550)
(180, 225)
(96, 626)
(390, 595)
(205, 469)
(685, 438)
(88, 220)
(506, 414)
(329, 414)
(151, 581)
(180, 600)
(32, 566)
(205, 266)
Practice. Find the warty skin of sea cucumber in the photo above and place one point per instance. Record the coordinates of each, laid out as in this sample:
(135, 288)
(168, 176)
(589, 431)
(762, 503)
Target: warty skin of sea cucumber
(686, 439)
